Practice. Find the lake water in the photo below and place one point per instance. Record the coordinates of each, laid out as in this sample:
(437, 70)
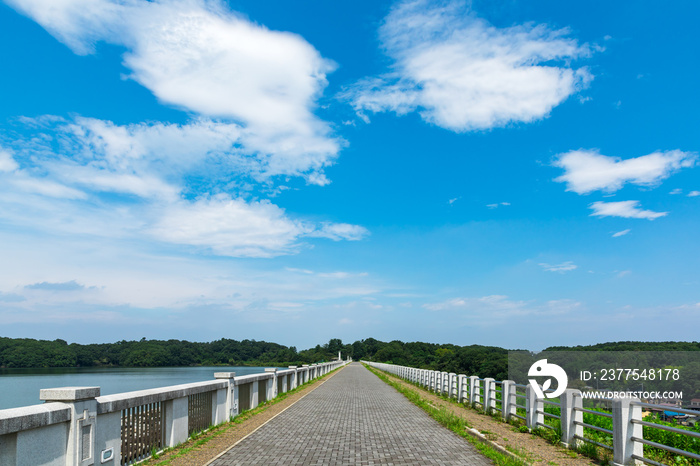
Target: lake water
(20, 387)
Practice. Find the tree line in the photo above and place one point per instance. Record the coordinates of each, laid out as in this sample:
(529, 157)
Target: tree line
(31, 353)
(484, 361)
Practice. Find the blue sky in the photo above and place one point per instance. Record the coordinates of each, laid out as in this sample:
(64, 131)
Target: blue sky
(518, 174)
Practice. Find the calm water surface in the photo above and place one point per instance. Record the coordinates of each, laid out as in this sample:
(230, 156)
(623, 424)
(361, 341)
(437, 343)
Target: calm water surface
(20, 387)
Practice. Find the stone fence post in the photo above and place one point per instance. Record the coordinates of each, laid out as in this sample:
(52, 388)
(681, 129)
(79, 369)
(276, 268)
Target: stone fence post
(271, 383)
(231, 393)
(508, 400)
(473, 390)
(624, 411)
(453, 385)
(489, 400)
(461, 386)
(534, 408)
(80, 450)
(294, 382)
(570, 400)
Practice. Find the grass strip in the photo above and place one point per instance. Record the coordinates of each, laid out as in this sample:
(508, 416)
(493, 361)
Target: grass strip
(450, 420)
(201, 438)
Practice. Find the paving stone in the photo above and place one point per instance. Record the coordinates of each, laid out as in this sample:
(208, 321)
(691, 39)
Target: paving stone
(353, 419)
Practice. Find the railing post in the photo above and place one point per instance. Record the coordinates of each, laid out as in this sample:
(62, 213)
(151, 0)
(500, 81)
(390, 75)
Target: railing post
(80, 450)
(271, 383)
(176, 418)
(294, 383)
(624, 411)
(231, 400)
(444, 385)
(473, 390)
(533, 408)
(461, 381)
(570, 400)
(489, 396)
(285, 385)
(453, 385)
(508, 400)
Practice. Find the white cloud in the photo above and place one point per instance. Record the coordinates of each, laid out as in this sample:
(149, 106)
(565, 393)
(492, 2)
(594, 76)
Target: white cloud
(182, 184)
(488, 310)
(494, 206)
(462, 73)
(694, 194)
(567, 266)
(7, 162)
(78, 278)
(588, 170)
(676, 191)
(196, 55)
(621, 233)
(230, 227)
(252, 92)
(340, 231)
(625, 209)
(234, 227)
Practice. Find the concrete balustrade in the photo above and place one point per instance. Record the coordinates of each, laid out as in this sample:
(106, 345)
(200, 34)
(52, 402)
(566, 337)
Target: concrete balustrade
(482, 393)
(78, 427)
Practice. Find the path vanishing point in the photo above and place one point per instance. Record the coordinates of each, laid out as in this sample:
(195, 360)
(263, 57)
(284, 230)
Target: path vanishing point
(353, 418)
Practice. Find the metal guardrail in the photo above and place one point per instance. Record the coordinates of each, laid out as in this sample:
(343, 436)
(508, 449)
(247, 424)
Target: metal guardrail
(142, 432)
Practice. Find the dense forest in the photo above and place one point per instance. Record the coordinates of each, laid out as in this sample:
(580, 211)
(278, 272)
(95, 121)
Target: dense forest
(485, 361)
(25, 353)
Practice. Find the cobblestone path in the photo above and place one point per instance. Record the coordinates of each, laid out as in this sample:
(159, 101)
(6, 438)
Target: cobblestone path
(353, 419)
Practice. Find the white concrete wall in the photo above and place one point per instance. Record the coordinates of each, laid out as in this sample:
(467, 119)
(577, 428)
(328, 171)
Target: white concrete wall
(48, 434)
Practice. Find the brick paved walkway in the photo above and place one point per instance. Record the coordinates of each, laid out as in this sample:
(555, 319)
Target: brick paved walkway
(353, 419)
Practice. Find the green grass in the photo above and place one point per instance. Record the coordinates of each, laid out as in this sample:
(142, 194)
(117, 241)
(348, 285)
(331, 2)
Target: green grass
(453, 422)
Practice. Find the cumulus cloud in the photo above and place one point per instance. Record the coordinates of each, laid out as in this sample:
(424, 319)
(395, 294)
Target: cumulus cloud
(567, 266)
(197, 55)
(588, 170)
(235, 227)
(181, 184)
(251, 93)
(621, 233)
(625, 209)
(462, 73)
(694, 193)
(230, 227)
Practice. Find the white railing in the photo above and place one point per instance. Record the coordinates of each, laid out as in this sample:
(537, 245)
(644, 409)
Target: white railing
(627, 439)
(78, 427)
